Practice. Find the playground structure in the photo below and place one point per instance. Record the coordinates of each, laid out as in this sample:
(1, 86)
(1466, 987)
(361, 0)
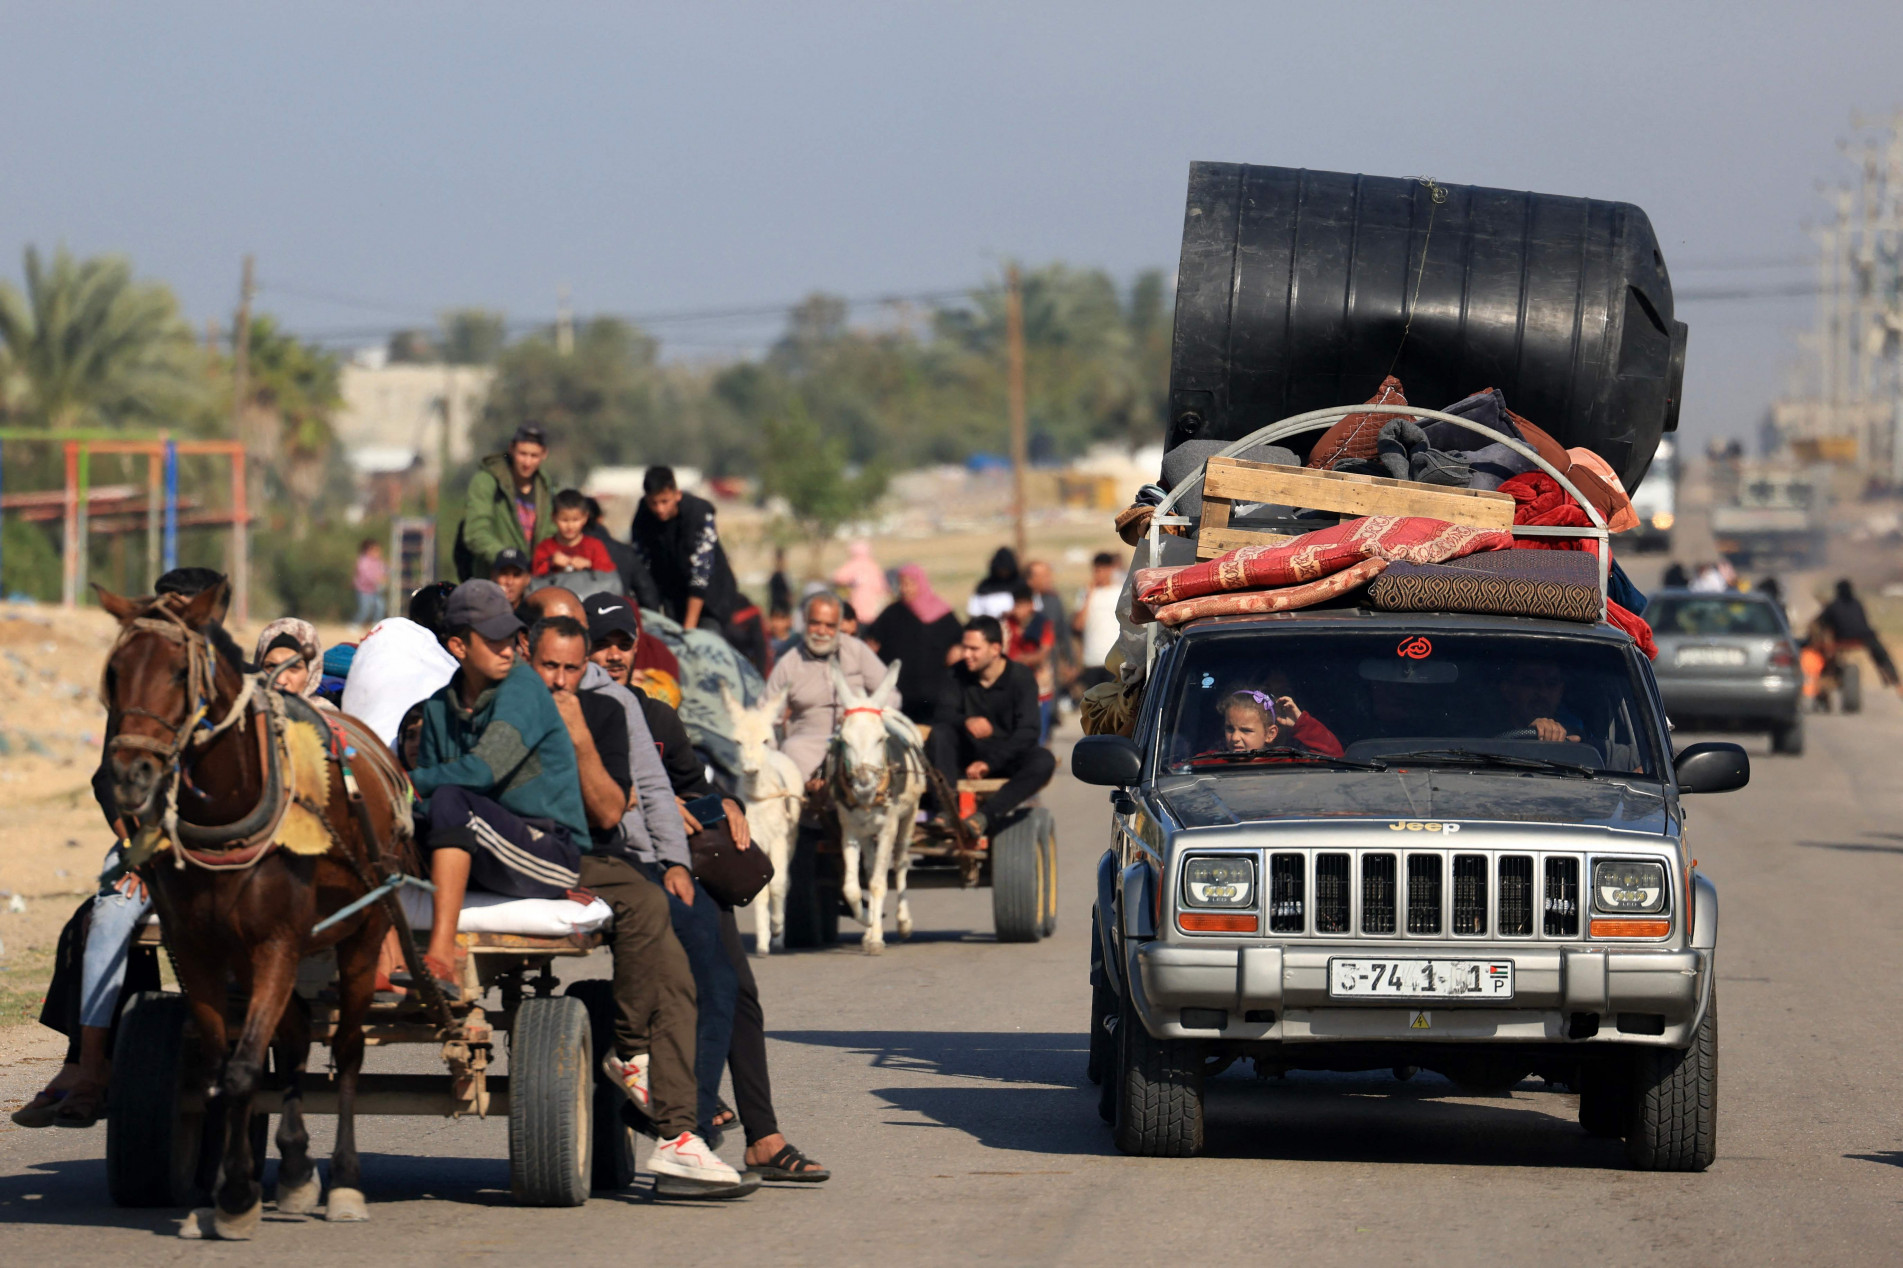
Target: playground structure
(118, 508)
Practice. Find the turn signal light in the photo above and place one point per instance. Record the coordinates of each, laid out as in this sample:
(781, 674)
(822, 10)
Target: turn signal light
(1215, 922)
(1631, 928)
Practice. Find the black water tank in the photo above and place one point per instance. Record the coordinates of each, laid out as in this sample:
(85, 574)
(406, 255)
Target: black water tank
(1296, 288)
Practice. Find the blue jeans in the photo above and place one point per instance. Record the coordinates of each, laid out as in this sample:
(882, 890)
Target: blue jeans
(370, 608)
(116, 917)
(716, 988)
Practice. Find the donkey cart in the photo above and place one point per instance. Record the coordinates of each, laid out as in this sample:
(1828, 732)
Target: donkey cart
(1016, 860)
(566, 1133)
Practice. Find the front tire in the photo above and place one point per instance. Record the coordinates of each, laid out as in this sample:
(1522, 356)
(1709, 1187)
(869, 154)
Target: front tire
(1850, 689)
(1159, 1092)
(551, 1098)
(152, 1141)
(1674, 1108)
(1788, 738)
(1103, 1008)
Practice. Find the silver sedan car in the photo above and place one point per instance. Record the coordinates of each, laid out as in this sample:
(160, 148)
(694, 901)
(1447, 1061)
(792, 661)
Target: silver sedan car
(1728, 661)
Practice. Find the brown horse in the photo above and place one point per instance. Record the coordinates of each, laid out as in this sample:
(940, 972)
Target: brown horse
(197, 762)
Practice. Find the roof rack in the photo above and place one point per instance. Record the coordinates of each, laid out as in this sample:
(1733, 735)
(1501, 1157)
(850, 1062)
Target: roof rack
(1226, 479)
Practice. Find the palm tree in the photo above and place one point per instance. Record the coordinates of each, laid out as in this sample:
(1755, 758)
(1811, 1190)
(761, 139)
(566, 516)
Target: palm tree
(86, 345)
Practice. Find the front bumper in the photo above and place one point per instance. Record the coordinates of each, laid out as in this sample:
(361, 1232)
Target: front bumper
(1650, 996)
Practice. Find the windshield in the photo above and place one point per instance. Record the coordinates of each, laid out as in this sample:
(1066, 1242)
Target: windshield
(1254, 701)
(1703, 616)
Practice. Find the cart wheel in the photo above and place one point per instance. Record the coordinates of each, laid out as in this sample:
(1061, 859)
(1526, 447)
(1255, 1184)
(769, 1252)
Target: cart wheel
(1047, 844)
(1850, 689)
(829, 871)
(1019, 877)
(152, 1141)
(614, 1139)
(551, 1094)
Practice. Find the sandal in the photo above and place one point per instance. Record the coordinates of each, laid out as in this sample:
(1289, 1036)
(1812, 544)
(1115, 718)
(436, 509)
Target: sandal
(791, 1164)
(82, 1108)
(39, 1111)
(724, 1115)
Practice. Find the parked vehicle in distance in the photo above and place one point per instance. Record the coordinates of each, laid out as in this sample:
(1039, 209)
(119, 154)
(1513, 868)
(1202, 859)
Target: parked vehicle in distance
(1655, 502)
(1728, 662)
(1776, 519)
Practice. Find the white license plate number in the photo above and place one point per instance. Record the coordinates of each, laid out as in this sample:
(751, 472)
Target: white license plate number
(1710, 656)
(1420, 979)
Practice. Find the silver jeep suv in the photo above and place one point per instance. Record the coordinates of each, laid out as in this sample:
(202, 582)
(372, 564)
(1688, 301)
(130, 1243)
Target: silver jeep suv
(1347, 840)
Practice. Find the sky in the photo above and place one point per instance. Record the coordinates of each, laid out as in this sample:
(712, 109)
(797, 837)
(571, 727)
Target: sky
(383, 162)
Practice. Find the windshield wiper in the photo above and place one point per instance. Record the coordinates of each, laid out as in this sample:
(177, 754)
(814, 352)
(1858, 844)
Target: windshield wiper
(1283, 753)
(1469, 756)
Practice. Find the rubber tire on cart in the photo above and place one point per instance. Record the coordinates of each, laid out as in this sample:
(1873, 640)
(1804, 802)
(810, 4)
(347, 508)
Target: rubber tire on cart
(1788, 738)
(613, 1168)
(551, 1094)
(1603, 1096)
(152, 1142)
(1023, 888)
(1850, 689)
(1103, 1008)
(829, 872)
(1159, 1092)
(1048, 844)
(1673, 1111)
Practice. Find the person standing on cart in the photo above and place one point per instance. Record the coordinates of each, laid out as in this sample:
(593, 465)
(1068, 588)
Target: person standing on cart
(988, 727)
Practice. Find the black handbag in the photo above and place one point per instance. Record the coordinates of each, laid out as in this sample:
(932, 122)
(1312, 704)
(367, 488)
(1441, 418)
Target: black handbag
(730, 874)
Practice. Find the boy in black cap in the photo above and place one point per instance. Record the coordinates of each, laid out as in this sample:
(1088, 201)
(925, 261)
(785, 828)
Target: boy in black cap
(497, 770)
(511, 571)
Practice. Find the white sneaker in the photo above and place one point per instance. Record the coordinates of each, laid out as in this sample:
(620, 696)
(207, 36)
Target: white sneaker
(687, 1157)
(631, 1076)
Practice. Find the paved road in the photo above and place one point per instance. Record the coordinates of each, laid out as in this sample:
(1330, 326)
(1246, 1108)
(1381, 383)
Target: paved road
(944, 1082)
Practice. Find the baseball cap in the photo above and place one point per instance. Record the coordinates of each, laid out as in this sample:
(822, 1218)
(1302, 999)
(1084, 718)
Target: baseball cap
(480, 606)
(610, 614)
(510, 558)
(529, 434)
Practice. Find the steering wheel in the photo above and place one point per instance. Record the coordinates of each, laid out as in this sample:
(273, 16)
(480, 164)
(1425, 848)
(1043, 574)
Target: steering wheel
(1519, 733)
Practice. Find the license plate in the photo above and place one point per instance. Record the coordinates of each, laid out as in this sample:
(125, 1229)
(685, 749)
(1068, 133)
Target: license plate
(1710, 656)
(1420, 979)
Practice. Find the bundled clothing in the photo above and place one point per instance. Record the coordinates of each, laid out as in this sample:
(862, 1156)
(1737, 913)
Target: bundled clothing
(1011, 751)
(398, 664)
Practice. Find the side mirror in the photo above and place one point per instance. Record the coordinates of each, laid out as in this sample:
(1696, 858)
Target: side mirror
(1112, 760)
(1714, 766)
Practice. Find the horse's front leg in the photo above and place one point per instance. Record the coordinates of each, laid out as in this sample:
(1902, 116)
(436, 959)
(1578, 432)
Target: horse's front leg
(299, 1189)
(773, 910)
(240, 1199)
(850, 829)
(356, 983)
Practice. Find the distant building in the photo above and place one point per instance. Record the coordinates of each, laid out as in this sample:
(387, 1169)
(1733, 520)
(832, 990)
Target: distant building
(390, 410)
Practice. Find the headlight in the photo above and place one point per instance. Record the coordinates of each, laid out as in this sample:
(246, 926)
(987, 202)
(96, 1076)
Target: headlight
(1621, 885)
(1219, 882)
(1663, 521)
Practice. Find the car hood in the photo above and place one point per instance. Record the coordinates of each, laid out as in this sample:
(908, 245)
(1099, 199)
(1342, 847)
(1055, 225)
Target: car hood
(1207, 801)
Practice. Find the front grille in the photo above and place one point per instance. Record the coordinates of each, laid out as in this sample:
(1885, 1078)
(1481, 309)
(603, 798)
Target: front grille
(1423, 893)
(1377, 893)
(1562, 898)
(1470, 893)
(1331, 893)
(1287, 912)
(1516, 895)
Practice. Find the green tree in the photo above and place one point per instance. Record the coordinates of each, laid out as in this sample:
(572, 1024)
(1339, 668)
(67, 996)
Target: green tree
(809, 469)
(292, 393)
(473, 336)
(85, 345)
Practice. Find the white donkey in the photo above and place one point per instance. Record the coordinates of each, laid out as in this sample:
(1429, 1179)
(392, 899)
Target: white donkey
(876, 771)
(771, 788)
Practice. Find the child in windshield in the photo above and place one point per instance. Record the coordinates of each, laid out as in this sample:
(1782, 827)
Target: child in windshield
(1255, 720)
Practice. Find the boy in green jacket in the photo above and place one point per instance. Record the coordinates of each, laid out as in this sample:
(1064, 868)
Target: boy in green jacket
(508, 503)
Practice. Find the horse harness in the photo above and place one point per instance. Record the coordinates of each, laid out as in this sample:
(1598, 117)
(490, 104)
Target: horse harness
(837, 766)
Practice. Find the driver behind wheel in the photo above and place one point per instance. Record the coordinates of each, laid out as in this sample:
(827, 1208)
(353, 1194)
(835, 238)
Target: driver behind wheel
(1532, 693)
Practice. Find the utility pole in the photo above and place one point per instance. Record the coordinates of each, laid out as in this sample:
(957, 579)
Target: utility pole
(564, 324)
(1014, 390)
(252, 492)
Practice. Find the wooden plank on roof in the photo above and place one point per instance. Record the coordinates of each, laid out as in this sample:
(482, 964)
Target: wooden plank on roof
(1211, 542)
(1239, 480)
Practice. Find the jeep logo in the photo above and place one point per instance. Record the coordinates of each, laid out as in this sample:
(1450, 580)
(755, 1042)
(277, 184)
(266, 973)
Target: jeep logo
(1415, 825)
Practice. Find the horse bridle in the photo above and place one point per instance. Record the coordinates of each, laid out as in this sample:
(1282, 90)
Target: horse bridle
(845, 793)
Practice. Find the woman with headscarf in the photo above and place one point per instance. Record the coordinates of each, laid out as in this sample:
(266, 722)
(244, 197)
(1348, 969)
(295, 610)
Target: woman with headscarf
(993, 596)
(921, 632)
(863, 581)
(287, 639)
